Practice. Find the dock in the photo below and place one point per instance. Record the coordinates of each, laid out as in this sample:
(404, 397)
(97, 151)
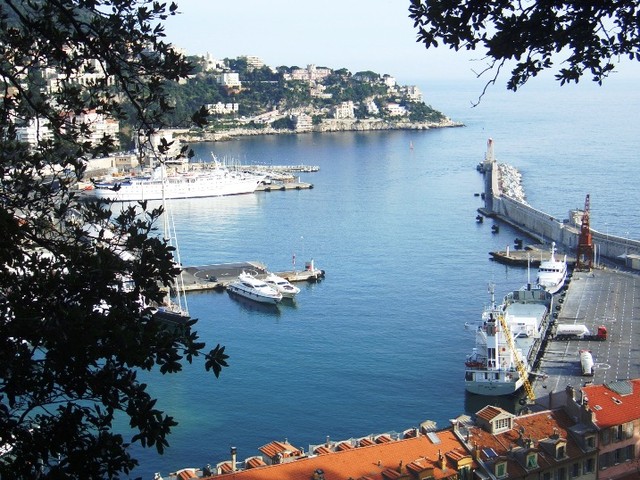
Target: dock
(606, 297)
(531, 254)
(282, 186)
(218, 276)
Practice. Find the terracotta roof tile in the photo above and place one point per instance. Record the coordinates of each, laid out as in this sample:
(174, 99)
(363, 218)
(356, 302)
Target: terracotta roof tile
(186, 473)
(254, 462)
(489, 412)
(273, 448)
(612, 407)
(366, 463)
(322, 450)
(344, 446)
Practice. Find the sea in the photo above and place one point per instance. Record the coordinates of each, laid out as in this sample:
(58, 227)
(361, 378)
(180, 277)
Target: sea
(379, 344)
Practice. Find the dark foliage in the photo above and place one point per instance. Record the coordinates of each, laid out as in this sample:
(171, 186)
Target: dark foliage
(574, 37)
(72, 337)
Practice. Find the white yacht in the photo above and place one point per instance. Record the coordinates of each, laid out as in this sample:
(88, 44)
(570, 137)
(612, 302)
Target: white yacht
(282, 285)
(252, 288)
(213, 182)
(552, 273)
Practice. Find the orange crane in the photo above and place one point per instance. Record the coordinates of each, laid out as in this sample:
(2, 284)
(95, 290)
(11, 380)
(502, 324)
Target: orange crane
(584, 256)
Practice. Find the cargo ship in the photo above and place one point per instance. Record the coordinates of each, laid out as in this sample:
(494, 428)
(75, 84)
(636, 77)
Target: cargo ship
(507, 342)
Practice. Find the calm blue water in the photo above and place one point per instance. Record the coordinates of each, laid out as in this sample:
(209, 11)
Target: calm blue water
(379, 344)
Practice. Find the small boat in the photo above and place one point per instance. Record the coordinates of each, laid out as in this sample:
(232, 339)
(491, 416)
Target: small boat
(552, 273)
(282, 285)
(252, 288)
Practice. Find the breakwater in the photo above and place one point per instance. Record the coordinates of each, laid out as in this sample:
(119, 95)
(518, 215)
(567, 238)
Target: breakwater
(501, 202)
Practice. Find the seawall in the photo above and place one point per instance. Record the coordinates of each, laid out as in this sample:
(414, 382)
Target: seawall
(545, 227)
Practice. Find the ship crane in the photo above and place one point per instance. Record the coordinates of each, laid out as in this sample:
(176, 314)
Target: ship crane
(519, 363)
(584, 255)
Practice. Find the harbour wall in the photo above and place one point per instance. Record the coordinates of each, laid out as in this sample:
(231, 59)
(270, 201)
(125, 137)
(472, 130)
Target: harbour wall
(546, 228)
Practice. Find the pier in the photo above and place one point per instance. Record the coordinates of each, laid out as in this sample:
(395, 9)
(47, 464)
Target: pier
(599, 297)
(218, 276)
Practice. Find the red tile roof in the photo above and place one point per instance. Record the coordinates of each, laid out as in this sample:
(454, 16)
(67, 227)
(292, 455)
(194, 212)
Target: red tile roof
(365, 462)
(274, 448)
(550, 425)
(612, 407)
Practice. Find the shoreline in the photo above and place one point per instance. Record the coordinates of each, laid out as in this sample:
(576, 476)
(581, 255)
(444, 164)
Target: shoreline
(327, 126)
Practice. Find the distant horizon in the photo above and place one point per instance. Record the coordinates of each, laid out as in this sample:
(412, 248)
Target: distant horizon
(375, 35)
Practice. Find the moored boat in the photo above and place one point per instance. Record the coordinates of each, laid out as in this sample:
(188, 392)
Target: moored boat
(214, 182)
(252, 288)
(508, 341)
(282, 285)
(552, 273)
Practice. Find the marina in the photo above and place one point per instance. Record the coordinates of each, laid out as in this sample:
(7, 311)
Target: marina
(220, 276)
(366, 350)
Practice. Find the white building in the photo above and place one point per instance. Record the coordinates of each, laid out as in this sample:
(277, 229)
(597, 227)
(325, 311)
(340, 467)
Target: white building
(253, 62)
(229, 80)
(222, 108)
(35, 132)
(98, 124)
(302, 122)
(413, 93)
(212, 64)
(396, 110)
(309, 74)
(344, 110)
(389, 81)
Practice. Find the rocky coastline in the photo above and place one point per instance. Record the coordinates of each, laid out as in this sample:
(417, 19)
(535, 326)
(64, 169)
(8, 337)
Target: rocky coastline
(327, 125)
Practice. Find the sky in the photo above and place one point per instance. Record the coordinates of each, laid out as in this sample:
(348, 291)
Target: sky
(358, 35)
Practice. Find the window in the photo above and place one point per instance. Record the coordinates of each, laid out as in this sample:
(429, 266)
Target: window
(561, 473)
(532, 461)
(605, 437)
(630, 452)
(546, 476)
(560, 449)
(589, 465)
(591, 441)
(502, 423)
(501, 470)
(617, 433)
(575, 470)
(464, 473)
(604, 460)
(618, 456)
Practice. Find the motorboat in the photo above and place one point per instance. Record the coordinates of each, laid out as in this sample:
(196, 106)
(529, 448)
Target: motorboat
(282, 285)
(552, 273)
(255, 289)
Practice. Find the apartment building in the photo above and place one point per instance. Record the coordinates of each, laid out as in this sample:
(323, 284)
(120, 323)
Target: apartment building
(611, 412)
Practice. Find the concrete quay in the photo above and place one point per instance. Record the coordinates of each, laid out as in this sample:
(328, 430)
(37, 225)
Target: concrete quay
(218, 276)
(600, 297)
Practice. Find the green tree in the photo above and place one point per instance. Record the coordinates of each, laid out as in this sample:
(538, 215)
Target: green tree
(573, 36)
(72, 336)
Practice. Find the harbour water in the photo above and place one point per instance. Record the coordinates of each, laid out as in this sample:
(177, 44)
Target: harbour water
(380, 343)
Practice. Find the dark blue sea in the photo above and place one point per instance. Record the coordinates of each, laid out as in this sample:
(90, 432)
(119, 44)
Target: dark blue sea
(379, 344)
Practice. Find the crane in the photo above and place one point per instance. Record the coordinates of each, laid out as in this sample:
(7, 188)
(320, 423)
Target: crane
(524, 375)
(584, 255)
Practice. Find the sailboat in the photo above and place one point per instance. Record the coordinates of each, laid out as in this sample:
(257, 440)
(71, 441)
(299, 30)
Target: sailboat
(174, 310)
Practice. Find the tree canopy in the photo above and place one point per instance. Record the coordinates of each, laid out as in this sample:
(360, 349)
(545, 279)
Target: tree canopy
(572, 37)
(77, 278)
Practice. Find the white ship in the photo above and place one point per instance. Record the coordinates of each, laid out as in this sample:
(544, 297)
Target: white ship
(218, 181)
(552, 273)
(508, 341)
